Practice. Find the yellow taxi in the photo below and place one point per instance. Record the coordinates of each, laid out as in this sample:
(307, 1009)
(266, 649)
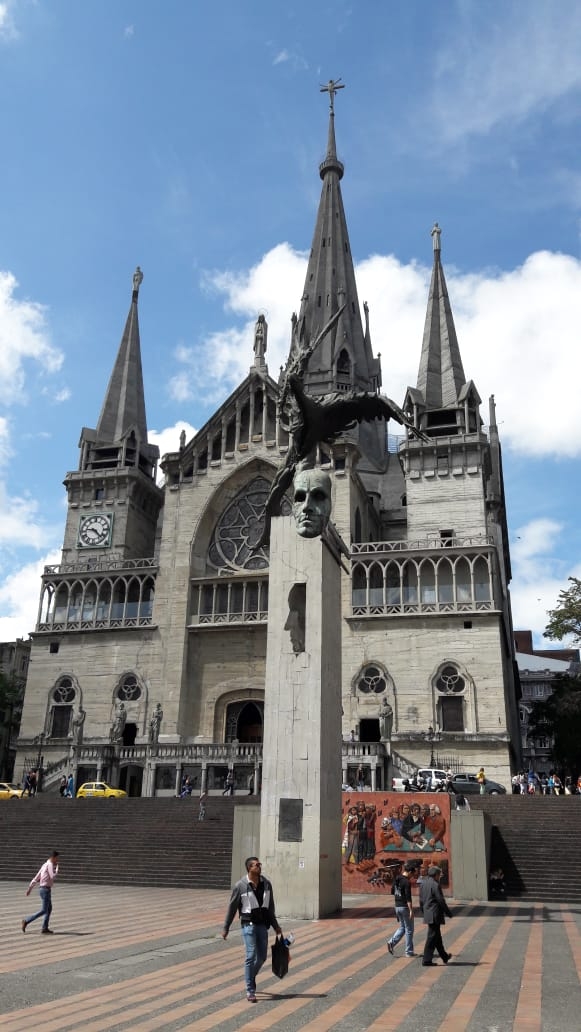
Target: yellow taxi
(99, 790)
(8, 791)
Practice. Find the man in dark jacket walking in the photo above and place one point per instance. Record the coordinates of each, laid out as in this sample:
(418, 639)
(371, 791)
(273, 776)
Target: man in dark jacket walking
(435, 910)
(253, 899)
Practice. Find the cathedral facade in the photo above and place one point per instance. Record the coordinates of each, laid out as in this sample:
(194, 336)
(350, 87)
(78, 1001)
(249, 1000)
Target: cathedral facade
(148, 658)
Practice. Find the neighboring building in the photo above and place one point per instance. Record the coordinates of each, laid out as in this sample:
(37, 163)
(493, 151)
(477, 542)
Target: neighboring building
(160, 596)
(14, 659)
(538, 669)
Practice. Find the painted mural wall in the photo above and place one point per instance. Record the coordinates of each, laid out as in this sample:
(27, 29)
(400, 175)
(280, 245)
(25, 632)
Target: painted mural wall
(380, 828)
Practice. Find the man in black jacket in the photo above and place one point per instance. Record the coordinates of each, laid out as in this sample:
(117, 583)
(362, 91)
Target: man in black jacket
(435, 910)
(253, 899)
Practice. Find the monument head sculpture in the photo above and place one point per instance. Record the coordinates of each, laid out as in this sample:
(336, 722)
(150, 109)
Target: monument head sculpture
(311, 502)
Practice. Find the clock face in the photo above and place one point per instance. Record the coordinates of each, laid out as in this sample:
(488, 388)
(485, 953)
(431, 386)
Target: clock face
(94, 531)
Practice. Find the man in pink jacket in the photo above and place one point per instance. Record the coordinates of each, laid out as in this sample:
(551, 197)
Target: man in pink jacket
(45, 881)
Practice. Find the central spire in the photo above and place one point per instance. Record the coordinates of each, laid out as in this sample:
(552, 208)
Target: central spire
(344, 359)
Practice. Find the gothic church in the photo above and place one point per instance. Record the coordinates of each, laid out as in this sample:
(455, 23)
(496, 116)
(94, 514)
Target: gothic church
(148, 657)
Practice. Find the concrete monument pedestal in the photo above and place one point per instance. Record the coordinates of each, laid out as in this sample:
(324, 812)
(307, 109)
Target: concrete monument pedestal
(300, 827)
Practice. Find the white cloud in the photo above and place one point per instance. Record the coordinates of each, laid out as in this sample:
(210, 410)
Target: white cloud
(538, 576)
(281, 57)
(503, 62)
(168, 440)
(129, 31)
(517, 332)
(8, 30)
(5, 447)
(24, 337)
(20, 524)
(20, 596)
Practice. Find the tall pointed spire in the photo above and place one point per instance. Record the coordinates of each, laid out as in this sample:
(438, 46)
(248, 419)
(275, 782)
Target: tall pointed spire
(344, 358)
(124, 404)
(441, 375)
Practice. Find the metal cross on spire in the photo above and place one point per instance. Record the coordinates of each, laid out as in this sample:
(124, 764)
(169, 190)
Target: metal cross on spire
(331, 88)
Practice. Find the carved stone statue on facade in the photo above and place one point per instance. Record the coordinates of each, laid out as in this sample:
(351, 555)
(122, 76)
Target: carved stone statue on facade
(260, 337)
(155, 724)
(385, 720)
(119, 721)
(78, 724)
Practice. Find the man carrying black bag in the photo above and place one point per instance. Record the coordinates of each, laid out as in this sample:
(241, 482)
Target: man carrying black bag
(253, 899)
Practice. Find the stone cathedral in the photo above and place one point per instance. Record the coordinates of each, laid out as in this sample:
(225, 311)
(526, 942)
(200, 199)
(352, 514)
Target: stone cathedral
(148, 658)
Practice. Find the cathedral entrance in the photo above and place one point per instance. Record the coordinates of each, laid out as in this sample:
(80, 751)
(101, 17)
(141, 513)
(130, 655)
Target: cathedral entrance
(369, 731)
(129, 734)
(244, 722)
(131, 779)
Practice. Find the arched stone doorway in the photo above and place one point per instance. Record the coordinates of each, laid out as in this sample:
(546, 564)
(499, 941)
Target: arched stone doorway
(245, 721)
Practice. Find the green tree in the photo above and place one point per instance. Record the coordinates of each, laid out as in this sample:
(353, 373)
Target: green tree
(559, 718)
(565, 618)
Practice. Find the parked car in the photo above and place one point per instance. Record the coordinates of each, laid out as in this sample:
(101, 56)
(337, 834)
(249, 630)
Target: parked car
(431, 776)
(8, 791)
(467, 784)
(100, 790)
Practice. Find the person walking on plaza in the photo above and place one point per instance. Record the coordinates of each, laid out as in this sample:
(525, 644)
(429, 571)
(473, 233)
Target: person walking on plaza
(481, 779)
(435, 910)
(45, 880)
(253, 899)
(229, 784)
(404, 910)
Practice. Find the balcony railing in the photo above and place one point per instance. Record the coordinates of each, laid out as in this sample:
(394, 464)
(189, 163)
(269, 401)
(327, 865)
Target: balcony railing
(236, 601)
(99, 565)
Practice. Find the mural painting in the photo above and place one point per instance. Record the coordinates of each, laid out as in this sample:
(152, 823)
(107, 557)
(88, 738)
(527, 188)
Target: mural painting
(380, 828)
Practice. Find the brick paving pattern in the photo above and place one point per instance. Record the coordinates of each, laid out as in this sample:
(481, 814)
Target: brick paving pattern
(131, 959)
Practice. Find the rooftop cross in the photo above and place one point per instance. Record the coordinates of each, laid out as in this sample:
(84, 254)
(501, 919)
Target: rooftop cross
(331, 88)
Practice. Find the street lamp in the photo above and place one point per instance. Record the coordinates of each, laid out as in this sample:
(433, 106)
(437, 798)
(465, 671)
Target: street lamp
(431, 737)
(41, 738)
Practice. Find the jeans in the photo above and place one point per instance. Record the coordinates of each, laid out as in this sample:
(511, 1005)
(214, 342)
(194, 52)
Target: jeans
(256, 943)
(406, 925)
(45, 899)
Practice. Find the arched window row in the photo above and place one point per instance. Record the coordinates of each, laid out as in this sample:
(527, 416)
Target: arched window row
(104, 602)
(443, 584)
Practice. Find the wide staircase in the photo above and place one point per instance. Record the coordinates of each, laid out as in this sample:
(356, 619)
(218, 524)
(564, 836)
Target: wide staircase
(158, 842)
(537, 842)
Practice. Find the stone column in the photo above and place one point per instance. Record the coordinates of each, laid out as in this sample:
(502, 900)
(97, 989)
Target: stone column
(300, 829)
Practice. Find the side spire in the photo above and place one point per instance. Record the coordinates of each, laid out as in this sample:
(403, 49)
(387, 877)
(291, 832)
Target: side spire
(441, 375)
(124, 404)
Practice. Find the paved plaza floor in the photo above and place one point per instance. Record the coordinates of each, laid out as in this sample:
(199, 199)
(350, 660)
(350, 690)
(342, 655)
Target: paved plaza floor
(138, 960)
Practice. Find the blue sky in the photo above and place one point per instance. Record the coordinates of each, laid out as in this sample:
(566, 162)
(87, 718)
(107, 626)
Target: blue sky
(185, 137)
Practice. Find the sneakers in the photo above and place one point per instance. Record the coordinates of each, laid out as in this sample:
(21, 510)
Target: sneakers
(251, 997)
(390, 946)
(411, 954)
(23, 924)
(448, 957)
(47, 931)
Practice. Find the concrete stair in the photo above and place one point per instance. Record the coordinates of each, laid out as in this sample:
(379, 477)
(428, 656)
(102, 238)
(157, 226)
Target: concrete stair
(537, 842)
(158, 842)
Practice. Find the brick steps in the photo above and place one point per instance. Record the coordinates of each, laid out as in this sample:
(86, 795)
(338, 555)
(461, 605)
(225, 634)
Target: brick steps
(537, 842)
(155, 842)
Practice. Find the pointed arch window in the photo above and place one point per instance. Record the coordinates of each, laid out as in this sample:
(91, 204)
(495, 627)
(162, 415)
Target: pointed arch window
(450, 688)
(61, 711)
